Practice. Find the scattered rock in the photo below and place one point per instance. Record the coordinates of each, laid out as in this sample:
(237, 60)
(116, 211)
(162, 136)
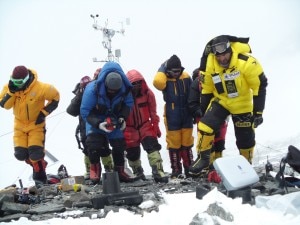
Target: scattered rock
(50, 201)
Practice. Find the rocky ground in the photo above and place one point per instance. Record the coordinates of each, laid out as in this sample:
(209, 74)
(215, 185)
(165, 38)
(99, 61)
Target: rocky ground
(86, 200)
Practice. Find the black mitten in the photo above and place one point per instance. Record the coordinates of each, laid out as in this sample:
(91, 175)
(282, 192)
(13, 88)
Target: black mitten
(12, 88)
(197, 116)
(257, 119)
(40, 119)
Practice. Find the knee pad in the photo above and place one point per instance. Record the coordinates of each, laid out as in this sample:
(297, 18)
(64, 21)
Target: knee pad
(105, 152)
(36, 153)
(97, 145)
(203, 128)
(21, 153)
(94, 156)
(151, 144)
(133, 153)
(96, 141)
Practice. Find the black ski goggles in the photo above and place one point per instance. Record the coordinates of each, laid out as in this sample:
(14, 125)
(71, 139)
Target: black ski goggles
(220, 48)
(174, 72)
(137, 84)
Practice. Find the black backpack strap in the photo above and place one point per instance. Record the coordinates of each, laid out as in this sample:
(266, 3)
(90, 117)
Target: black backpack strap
(77, 131)
(280, 175)
(207, 49)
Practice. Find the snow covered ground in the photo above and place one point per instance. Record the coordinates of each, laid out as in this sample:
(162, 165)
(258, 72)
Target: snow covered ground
(56, 38)
(185, 208)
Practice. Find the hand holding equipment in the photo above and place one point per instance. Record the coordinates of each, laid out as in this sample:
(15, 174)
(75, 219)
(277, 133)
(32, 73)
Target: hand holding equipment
(105, 127)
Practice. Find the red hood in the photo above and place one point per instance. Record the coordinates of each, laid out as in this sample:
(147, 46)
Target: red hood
(134, 75)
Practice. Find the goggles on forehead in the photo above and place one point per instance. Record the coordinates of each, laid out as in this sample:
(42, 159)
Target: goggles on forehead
(19, 82)
(220, 48)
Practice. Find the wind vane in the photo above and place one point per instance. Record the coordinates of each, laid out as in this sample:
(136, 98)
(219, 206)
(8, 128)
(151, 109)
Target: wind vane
(108, 34)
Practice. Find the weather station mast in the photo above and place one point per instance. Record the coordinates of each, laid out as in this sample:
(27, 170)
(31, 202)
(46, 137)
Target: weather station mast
(108, 34)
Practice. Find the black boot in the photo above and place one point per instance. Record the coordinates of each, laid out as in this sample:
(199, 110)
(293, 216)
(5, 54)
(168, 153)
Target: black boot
(137, 168)
(158, 174)
(201, 163)
(139, 172)
(155, 162)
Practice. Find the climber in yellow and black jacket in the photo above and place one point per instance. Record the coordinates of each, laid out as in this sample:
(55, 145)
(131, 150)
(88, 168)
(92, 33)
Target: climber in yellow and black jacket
(233, 83)
(31, 101)
(175, 84)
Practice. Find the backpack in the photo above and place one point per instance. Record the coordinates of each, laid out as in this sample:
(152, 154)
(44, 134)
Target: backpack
(293, 160)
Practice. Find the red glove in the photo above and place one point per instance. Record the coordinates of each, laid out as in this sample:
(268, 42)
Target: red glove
(156, 130)
(213, 176)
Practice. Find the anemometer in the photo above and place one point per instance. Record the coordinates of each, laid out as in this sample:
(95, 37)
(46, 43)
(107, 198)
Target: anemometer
(108, 34)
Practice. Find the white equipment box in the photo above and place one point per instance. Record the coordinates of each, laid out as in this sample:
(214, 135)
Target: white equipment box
(236, 172)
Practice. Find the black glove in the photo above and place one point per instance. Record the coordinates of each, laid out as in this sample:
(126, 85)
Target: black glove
(197, 116)
(12, 88)
(85, 152)
(163, 67)
(40, 119)
(257, 119)
(171, 74)
(198, 113)
(196, 73)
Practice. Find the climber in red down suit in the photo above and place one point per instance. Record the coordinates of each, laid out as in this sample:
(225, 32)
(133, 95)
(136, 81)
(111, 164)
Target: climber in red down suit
(142, 127)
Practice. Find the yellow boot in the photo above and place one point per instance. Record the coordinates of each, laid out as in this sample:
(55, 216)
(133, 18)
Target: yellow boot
(247, 153)
(205, 142)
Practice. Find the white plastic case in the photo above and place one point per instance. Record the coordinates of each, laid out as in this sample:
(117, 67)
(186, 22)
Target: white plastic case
(236, 172)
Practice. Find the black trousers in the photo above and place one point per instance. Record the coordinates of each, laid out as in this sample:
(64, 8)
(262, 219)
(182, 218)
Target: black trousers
(243, 129)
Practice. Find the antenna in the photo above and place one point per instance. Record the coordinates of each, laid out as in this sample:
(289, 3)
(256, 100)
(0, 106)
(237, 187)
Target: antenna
(108, 34)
